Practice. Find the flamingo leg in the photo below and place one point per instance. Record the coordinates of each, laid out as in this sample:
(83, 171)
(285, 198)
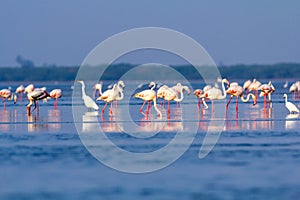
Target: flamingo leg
(103, 109)
(199, 103)
(4, 104)
(148, 107)
(212, 106)
(265, 101)
(55, 103)
(141, 108)
(169, 109)
(110, 110)
(237, 104)
(228, 102)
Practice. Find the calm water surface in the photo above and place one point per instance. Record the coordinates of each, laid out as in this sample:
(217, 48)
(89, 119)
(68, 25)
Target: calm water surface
(256, 157)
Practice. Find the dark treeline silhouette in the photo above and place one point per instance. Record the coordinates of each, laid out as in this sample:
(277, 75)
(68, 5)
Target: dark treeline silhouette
(114, 72)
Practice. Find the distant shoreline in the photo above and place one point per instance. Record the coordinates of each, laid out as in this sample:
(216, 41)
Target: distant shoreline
(282, 71)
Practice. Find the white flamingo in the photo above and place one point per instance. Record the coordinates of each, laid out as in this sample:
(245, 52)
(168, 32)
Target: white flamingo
(172, 94)
(148, 95)
(109, 96)
(216, 94)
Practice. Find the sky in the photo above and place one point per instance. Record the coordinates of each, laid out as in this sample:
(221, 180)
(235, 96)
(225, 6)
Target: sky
(233, 31)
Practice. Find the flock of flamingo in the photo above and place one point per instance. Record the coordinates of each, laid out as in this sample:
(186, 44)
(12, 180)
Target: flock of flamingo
(33, 95)
(174, 93)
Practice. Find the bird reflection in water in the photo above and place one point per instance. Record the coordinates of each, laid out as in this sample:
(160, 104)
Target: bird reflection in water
(54, 119)
(173, 123)
(90, 122)
(114, 124)
(51, 122)
(5, 119)
(292, 121)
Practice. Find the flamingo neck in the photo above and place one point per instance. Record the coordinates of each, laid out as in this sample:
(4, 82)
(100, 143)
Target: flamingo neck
(152, 88)
(247, 98)
(224, 91)
(120, 92)
(155, 107)
(100, 89)
(181, 96)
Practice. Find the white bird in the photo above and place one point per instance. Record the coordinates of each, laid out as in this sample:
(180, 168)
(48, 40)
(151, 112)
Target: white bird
(19, 91)
(148, 95)
(109, 96)
(55, 94)
(29, 88)
(88, 101)
(290, 106)
(7, 94)
(172, 94)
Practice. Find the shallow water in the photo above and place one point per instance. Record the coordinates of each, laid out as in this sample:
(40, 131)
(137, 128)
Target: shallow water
(42, 156)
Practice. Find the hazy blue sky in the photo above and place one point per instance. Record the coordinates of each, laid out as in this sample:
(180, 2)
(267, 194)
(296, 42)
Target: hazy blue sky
(63, 32)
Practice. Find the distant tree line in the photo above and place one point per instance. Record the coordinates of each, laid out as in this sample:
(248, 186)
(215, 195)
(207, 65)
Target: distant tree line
(114, 72)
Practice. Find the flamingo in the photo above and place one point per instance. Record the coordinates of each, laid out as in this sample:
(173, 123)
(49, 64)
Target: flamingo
(34, 96)
(254, 86)
(294, 89)
(148, 95)
(29, 88)
(55, 94)
(216, 94)
(19, 91)
(120, 88)
(88, 101)
(238, 91)
(172, 94)
(290, 106)
(266, 90)
(161, 92)
(7, 94)
(98, 87)
(109, 96)
(200, 94)
(246, 85)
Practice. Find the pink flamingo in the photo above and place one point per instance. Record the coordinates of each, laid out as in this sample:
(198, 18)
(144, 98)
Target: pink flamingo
(238, 92)
(55, 94)
(109, 96)
(200, 95)
(148, 95)
(19, 91)
(216, 94)
(29, 88)
(254, 86)
(171, 94)
(7, 94)
(266, 90)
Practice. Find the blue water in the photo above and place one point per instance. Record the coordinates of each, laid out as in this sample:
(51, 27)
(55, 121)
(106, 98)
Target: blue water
(256, 157)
